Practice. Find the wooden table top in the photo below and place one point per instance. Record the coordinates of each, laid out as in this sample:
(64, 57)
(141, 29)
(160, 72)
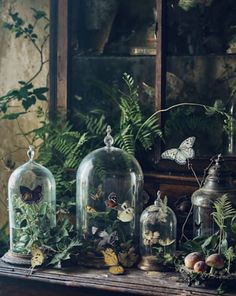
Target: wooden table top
(133, 282)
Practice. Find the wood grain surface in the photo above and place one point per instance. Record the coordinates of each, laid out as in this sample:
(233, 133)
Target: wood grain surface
(81, 281)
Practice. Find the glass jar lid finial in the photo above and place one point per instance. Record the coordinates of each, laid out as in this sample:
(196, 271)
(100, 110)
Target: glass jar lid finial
(30, 153)
(108, 140)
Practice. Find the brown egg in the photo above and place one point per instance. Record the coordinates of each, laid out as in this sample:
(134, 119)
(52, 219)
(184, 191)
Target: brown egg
(193, 258)
(200, 266)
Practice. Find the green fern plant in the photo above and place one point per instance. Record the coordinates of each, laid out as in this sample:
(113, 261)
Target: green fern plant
(128, 120)
(223, 212)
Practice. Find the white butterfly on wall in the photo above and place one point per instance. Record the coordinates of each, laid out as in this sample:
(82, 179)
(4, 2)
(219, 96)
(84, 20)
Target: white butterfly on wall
(181, 154)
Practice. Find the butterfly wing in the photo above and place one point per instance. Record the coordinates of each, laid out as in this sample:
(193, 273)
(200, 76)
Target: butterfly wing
(110, 257)
(25, 194)
(111, 202)
(170, 154)
(188, 143)
(126, 215)
(116, 270)
(37, 194)
(186, 148)
(30, 196)
(90, 210)
(37, 257)
(181, 158)
(113, 237)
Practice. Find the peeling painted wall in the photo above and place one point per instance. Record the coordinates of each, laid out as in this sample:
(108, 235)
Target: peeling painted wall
(18, 61)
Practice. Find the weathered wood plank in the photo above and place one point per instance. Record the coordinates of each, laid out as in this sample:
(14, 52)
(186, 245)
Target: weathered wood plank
(134, 282)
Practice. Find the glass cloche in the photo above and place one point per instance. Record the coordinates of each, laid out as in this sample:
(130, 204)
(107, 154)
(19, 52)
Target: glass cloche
(109, 203)
(32, 208)
(157, 234)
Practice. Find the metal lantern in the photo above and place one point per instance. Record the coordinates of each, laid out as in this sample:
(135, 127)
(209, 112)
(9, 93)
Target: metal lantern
(109, 203)
(218, 182)
(32, 208)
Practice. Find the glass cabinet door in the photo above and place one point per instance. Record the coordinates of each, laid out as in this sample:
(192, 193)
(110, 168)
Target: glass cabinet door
(110, 40)
(201, 68)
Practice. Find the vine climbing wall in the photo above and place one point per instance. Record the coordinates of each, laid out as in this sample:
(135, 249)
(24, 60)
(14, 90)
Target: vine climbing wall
(18, 61)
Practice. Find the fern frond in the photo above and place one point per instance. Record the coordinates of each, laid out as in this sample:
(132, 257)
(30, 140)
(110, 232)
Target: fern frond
(94, 123)
(148, 133)
(223, 211)
(125, 140)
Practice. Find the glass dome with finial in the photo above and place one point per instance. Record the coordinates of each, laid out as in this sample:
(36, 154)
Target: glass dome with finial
(32, 206)
(157, 234)
(109, 202)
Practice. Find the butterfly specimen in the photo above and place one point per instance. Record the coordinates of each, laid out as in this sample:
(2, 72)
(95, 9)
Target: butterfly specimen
(90, 210)
(111, 202)
(106, 238)
(126, 213)
(99, 193)
(181, 154)
(31, 196)
(37, 258)
(111, 260)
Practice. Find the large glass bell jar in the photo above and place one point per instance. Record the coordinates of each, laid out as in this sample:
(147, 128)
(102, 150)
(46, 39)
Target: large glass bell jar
(32, 208)
(109, 203)
(157, 234)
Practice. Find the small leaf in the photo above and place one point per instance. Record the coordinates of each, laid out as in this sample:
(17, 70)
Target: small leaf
(23, 92)
(224, 246)
(12, 116)
(18, 34)
(41, 97)
(28, 102)
(22, 82)
(40, 90)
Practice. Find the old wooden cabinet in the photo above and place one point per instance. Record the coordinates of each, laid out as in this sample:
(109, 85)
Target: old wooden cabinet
(73, 61)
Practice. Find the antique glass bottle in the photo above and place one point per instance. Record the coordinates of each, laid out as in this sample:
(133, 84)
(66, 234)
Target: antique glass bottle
(218, 182)
(157, 234)
(32, 207)
(109, 202)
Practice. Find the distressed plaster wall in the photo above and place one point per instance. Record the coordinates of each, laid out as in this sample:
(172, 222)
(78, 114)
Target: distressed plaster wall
(18, 61)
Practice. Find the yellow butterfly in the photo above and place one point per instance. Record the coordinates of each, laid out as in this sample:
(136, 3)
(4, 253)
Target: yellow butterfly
(111, 260)
(99, 193)
(90, 210)
(37, 258)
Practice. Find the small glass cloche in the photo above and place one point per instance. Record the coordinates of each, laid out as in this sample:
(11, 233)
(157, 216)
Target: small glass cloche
(109, 203)
(157, 234)
(32, 208)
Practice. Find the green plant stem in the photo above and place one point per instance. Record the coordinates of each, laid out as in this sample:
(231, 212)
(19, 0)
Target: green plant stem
(22, 132)
(168, 109)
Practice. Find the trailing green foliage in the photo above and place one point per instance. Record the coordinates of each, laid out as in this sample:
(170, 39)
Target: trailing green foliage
(4, 240)
(25, 93)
